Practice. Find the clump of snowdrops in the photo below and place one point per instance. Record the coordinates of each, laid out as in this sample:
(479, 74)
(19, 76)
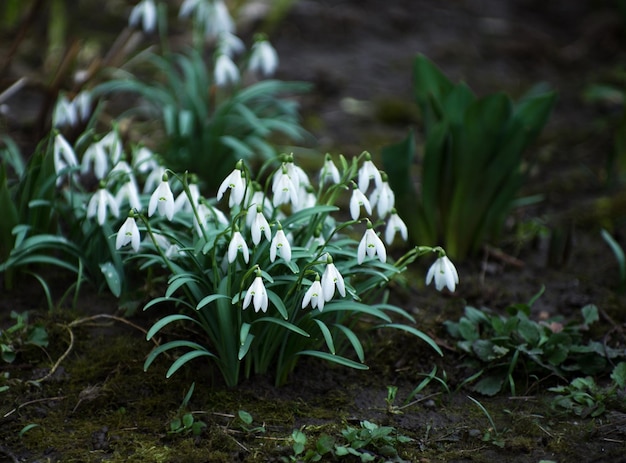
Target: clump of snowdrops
(271, 269)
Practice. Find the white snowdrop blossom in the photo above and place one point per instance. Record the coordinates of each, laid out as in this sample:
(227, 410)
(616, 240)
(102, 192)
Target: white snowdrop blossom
(145, 12)
(129, 191)
(64, 113)
(111, 142)
(329, 170)
(144, 161)
(371, 245)
(97, 156)
(257, 295)
(182, 201)
(257, 199)
(82, 104)
(383, 198)
(368, 172)
(306, 199)
(101, 201)
(128, 233)
(314, 295)
(280, 246)
(395, 225)
(260, 227)
(264, 59)
(230, 44)
(63, 155)
(226, 71)
(237, 185)
(284, 188)
(297, 175)
(331, 278)
(237, 244)
(358, 200)
(153, 179)
(444, 273)
(162, 199)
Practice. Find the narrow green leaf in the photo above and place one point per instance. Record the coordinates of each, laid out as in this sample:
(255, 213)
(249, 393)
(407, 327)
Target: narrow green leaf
(335, 359)
(112, 277)
(166, 321)
(328, 337)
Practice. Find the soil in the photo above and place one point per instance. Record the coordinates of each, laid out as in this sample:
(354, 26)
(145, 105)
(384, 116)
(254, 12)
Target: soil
(99, 405)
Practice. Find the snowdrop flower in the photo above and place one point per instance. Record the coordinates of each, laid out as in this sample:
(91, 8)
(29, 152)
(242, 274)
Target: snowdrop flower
(371, 245)
(153, 180)
(218, 19)
(264, 59)
(197, 7)
(171, 250)
(64, 113)
(182, 202)
(329, 170)
(367, 172)
(226, 71)
(163, 199)
(96, 155)
(237, 186)
(260, 227)
(357, 200)
(146, 12)
(395, 225)
(306, 199)
(128, 233)
(144, 161)
(130, 192)
(100, 202)
(237, 243)
(63, 155)
(283, 188)
(314, 295)
(297, 175)
(383, 197)
(280, 246)
(257, 199)
(82, 104)
(444, 273)
(230, 44)
(112, 143)
(256, 294)
(331, 278)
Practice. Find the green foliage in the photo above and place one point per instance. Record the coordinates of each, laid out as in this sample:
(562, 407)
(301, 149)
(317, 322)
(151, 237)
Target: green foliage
(367, 442)
(184, 422)
(472, 160)
(491, 434)
(19, 335)
(211, 280)
(207, 129)
(501, 349)
(584, 397)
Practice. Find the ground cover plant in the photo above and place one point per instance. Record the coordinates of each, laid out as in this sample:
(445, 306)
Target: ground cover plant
(542, 381)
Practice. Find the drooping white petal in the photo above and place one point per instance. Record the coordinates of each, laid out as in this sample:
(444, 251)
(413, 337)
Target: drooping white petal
(368, 172)
(264, 59)
(314, 296)
(257, 295)
(331, 278)
(226, 71)
(128, 233)
(371, 245)
(280, 246)
(358, 200)
(395, 225)
(237, 243)
(163, 200)
(444, 273)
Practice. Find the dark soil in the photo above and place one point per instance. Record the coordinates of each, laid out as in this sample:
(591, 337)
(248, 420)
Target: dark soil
(99, 405)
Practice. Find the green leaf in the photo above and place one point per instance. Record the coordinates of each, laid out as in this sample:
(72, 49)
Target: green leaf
(186, 358)
(354, 341)
(210, 298)
(245, 417)
(112, 278)
(489, 385)
(335, 359)
(166, 321)
(168, 346)
(415, 332)
(590, 314)
(284, 324)
(328, 337)
(619, 375)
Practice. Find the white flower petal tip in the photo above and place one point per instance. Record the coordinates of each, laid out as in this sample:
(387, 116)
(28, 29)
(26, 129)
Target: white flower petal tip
(128, 234)
(314, 296)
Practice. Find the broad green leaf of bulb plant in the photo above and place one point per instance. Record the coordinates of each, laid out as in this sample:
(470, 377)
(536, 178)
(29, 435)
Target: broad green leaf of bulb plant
(471, 171)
